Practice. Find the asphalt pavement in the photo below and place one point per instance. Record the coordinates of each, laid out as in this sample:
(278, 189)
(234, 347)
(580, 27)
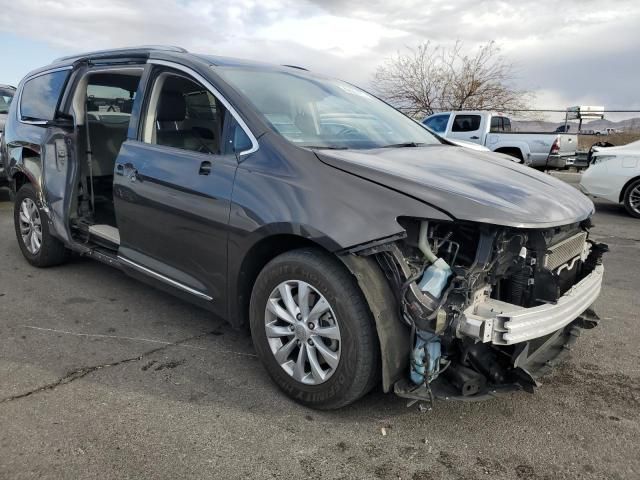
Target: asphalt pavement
(104, 377)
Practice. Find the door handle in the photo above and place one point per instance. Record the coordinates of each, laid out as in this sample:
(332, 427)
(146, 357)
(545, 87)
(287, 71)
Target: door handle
(475, 137)
(119, 169)
(205, 168)
(133, 175)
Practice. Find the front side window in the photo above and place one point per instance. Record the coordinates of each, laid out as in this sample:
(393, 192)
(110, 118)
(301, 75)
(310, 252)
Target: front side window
(466, 123)
(40, 96)
(437, 123)
(184, 114)
(6, 95)
(315, 112)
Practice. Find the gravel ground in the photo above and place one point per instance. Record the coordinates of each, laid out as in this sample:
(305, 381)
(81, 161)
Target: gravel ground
(103, 377)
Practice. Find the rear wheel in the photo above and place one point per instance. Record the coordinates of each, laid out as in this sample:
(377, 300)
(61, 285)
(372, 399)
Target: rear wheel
(632, 199)
(512, 152)
(313, 331)
(38, 246)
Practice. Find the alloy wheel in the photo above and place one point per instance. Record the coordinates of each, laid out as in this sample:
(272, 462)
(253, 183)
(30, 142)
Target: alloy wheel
(30, 226)
(303, 332)
(634, 199)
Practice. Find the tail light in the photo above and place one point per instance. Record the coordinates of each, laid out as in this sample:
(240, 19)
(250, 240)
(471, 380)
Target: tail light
(555, 148)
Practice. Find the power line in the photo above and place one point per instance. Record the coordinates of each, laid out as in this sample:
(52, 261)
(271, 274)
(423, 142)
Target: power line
(552, 110)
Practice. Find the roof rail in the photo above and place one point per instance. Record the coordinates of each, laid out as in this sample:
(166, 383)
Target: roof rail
(164, 48)
(296, 67)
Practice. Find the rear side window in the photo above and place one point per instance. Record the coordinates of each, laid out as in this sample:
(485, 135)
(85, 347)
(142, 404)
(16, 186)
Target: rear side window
(466, 123)
(500, 124)
(40, 96)
(437, 123)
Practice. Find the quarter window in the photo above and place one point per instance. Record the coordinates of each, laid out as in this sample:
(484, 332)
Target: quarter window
(466, 123)
(40, 96)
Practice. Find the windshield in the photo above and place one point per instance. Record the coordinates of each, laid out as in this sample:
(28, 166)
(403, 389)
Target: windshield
(5, 99)
(323, 113)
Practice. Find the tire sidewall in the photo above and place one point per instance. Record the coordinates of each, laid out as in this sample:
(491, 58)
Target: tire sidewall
(333, 390)
(27, 191)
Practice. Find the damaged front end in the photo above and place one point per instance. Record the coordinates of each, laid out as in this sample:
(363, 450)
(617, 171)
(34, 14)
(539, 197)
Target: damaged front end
(489, 308)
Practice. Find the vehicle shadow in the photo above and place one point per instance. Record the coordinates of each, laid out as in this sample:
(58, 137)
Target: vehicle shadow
(171, 349)
(614, 209)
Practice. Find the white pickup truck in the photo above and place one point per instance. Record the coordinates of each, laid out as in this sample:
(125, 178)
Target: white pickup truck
(493, 130)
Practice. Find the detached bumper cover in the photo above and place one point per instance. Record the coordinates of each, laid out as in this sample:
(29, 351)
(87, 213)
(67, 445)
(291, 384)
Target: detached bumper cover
(502, 323)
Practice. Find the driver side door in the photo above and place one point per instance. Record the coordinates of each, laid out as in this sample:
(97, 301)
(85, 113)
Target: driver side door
(172, 190)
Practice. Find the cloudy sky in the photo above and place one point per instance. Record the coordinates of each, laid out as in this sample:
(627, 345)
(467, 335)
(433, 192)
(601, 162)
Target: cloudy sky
(569, 52)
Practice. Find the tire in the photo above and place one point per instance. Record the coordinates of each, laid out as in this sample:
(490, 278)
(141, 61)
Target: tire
(512, 152)
(358, 366)
(50, 251)
(632, 199)
(515, 154)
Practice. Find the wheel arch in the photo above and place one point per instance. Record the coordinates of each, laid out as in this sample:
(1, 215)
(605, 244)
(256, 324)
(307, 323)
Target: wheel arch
(258, 255)
(26, 168)
(19, 179)
(510, 151)
(393, 335)
(623, 190)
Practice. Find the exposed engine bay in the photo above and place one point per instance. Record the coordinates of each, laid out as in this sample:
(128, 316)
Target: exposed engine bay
(490, 308)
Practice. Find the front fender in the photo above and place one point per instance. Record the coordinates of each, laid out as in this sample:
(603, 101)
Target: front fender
(393, 335)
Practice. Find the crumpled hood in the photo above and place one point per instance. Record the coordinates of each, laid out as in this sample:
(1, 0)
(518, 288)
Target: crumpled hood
(468, 185)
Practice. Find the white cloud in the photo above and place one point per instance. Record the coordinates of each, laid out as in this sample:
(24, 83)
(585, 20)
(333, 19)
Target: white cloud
(557, 46)
(342, 36)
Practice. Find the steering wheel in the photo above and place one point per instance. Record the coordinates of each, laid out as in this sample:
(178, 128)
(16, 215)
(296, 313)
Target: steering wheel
(347, 131)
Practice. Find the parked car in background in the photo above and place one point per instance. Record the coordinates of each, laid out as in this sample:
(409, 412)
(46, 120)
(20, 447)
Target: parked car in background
(470, 145)
(493, 130)
(6, 95)
(481, 148)
(614, 174)
(357, 246)
(587, 132)
(606, 131)
(563, 129)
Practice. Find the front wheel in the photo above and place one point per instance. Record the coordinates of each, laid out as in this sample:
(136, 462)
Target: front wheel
(632, 199)
(313, 331)
(38, 246)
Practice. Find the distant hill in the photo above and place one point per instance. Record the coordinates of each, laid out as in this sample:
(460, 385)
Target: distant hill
(629, 125)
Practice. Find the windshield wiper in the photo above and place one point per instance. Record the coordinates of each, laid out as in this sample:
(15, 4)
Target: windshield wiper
(325, 147)
(404, 145)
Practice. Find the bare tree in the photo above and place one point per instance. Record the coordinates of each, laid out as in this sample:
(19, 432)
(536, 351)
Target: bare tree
(433, 78)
